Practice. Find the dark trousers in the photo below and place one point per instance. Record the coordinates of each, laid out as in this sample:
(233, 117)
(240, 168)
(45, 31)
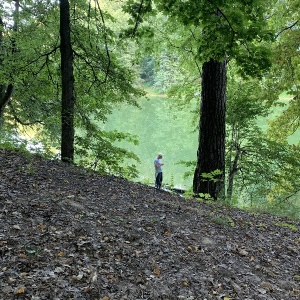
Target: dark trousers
(158, 180)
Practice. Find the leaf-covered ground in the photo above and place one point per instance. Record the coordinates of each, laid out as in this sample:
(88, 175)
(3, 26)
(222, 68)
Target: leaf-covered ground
(67, 233)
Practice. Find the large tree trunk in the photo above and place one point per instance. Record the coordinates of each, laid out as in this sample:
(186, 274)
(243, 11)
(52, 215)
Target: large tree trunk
(68, 98)
(211, 150)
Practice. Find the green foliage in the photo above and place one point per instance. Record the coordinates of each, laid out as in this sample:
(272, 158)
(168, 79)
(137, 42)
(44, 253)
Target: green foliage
(231, 28)
(147, 70)
(103, 156)
(223, 220)
(11, 141)
(137, 11)
(103, 79)
(187, 33)
(213, 176)
(284, 75)
(262, 164)
(204, 196)
(289, 208)
(287, 225)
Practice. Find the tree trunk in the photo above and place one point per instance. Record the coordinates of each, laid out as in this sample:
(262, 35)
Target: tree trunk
(211, 150)
(6, 90)
(232, 172)
(68, 98)
(5, 95)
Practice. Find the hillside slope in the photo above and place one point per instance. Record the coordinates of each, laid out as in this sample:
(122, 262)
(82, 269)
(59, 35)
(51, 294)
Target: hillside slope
(67, 233)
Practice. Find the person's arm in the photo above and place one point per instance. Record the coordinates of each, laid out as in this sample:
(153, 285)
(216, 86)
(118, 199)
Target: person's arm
(158, 164)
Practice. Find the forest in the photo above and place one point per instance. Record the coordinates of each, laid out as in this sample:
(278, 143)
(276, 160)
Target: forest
(91, 92)
(76, 76)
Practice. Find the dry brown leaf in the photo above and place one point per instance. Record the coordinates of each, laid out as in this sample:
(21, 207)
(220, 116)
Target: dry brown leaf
(252, 258)
(42, 226)
(22, 255)
(157, 272)
(185, 283)
(20, 290)
(190, 248)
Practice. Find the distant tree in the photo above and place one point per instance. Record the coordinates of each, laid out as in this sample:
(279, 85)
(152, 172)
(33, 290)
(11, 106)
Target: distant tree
(147, 70)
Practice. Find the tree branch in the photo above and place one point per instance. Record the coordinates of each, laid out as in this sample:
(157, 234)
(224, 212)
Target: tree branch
(18, 120)
(286, 28)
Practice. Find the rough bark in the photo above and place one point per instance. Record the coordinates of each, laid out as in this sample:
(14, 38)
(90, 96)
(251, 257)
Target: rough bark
(68, 97)
(211, 150)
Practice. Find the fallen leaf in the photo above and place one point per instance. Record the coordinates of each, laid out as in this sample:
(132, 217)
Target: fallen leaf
(86, 289)
(243, 252)
(252, 258)
(157, 272)
(20, 290)
(296, 277)
(78, 277)
(94, 277)
(185, 283)
(42, 226)
(190, 248)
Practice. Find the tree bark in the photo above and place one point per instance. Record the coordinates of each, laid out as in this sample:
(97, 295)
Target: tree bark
(6, 90)
(211, 150)
(5, 96)
(68, 97)
(2, 86)
(232, 172)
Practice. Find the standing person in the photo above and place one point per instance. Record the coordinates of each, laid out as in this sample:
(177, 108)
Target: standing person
(158, 170)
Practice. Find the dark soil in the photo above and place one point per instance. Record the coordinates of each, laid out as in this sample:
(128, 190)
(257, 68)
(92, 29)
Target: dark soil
(67, 233)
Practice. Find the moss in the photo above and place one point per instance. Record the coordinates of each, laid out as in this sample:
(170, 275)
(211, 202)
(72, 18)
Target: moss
(287, 225)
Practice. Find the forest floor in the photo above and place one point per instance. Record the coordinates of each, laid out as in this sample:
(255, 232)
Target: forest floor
(68, 233)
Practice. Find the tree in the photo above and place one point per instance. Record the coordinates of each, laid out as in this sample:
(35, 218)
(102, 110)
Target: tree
(67, 77)
(102, 79)
(211, 150)
(285, 71)
(246, 101)
(220, 31)
(6, 89)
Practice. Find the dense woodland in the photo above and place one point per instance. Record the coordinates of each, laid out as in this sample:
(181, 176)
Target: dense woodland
(65, 65)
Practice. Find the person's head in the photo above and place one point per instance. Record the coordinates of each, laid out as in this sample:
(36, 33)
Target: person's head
(159, 156)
